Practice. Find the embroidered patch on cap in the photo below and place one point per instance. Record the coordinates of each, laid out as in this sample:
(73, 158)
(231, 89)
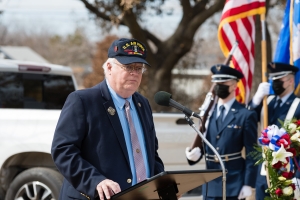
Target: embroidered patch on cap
(128, 51)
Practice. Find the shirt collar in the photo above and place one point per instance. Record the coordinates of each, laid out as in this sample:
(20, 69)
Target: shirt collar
(118, 100)
(227, 105)
(284, 98)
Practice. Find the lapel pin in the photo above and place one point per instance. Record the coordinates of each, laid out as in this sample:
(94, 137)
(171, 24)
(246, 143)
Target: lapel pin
(111, 111)
(287, 103)
(139, 105)
(233, 109)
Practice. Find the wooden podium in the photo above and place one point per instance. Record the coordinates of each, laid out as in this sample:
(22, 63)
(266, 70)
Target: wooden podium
(168, 184)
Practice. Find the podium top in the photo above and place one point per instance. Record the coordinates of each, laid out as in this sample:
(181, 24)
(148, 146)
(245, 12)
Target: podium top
(185, 181)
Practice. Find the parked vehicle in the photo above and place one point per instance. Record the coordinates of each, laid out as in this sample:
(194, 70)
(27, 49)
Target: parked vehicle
(31, 96)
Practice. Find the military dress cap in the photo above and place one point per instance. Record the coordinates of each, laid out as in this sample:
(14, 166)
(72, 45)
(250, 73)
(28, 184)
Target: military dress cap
(279, 70)
(128, 51)
(223, 73)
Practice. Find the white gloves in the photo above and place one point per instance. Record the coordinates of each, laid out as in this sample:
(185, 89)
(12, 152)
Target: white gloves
(246, 191)
(296, 181)
(194, 154)
(263, 90)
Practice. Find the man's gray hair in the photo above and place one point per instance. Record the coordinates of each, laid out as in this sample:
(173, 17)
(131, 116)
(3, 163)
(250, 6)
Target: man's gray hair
(104, 66)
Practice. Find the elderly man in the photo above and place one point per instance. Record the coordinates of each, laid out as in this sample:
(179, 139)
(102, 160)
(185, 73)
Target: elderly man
(230, 128)
(105, 139)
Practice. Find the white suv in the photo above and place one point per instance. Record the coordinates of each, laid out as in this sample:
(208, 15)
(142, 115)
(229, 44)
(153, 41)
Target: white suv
(31, 96)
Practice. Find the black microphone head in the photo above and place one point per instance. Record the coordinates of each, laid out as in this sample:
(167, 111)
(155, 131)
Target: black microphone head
(162, 98)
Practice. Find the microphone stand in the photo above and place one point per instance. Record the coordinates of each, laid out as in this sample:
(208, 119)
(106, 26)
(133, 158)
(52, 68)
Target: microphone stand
(191, 123)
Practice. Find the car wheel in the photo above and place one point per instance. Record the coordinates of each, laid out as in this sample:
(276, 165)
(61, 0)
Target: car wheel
(35, 183)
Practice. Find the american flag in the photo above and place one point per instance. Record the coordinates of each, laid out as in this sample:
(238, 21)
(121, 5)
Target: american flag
(238, 24)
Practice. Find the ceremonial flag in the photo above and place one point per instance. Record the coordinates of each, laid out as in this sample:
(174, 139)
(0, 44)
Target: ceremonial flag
(238, 24)
(288, 44)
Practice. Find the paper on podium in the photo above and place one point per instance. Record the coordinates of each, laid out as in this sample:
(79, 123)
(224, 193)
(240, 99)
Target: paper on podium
(185, 181)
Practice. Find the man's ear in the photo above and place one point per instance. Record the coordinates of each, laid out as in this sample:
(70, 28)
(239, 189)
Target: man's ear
(235, 84)
(109, 66)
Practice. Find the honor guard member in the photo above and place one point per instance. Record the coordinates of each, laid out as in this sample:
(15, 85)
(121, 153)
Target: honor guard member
(284, 105)
(105, 139)
(230, 128)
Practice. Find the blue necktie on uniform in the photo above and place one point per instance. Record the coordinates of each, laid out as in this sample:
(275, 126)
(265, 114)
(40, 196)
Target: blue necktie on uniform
(276, 111)
(278, 104)
(221, 116)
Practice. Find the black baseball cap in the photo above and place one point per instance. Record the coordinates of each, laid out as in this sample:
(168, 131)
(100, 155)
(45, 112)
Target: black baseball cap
(128, 51)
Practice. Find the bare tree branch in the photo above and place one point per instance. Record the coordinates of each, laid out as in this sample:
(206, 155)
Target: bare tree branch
(202, 16)
(152, 38)
(186, 6)
(93, 9)
(199, 6)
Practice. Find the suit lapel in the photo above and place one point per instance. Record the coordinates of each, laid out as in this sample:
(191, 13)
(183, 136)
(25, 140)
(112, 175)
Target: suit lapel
(229, 117)
(271, 111)
(289, 101)
(112, 114)
(214, 118)
(282, 112)
(213, 124)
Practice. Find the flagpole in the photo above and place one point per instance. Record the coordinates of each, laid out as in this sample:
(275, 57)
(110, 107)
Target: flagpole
(264, 79)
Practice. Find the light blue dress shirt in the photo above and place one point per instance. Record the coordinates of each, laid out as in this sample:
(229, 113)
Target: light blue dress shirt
(120, 106)
(283, 99)
(227, 107)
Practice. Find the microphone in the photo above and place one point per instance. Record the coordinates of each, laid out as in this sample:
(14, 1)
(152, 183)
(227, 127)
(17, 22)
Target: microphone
(164, 99)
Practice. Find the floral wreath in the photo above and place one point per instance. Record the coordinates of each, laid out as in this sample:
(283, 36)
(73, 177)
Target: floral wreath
(280, 148)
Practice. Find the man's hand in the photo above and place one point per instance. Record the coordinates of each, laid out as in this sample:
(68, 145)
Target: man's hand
(262, 91)
(193, 154)
(246, 191)
(108, 188)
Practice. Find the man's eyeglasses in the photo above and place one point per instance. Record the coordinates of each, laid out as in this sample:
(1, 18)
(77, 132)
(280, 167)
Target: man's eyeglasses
(140, 69)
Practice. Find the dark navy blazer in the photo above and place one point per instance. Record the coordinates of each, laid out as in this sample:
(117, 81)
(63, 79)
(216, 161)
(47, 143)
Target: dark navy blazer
(239, 130)
(89, 145)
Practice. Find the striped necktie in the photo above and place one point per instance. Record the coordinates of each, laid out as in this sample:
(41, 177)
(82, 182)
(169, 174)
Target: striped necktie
(137, 153)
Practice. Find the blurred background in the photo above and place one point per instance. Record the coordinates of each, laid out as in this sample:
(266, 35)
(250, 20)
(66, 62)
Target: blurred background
(181, 36)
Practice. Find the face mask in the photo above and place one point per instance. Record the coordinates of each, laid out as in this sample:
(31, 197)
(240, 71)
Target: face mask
(277, 86)
(222, 91)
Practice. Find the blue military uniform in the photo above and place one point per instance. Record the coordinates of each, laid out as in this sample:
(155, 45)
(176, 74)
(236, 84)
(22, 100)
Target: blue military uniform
(238, 130)
(278, 70)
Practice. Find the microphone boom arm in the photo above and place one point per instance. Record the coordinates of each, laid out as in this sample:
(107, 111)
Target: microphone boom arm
(191, 123)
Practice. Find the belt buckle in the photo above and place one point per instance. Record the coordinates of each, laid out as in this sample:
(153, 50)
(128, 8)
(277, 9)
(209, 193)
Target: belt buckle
(216, 158)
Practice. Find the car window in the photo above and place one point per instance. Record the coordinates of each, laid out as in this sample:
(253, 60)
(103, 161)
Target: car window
(34, 91)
